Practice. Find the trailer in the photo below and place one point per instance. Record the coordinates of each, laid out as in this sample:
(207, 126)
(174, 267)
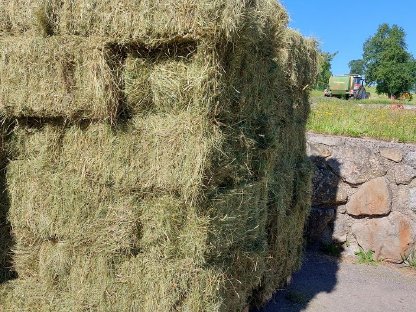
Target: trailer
(346, 86)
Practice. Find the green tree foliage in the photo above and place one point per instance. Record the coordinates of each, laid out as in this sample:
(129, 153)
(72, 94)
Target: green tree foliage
(325, 72)
(388, 65)
(356, 67)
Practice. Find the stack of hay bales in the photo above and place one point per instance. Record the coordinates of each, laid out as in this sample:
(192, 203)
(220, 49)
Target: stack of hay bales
(155, 153)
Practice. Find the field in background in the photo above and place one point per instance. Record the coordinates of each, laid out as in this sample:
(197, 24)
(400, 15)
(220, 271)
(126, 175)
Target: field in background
(318, 97)
(341, 117)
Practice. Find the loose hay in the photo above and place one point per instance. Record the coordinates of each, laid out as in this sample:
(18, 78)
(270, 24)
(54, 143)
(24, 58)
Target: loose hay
(182, 184)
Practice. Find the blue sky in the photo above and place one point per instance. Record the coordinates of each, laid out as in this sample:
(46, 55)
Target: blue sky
(344, 26)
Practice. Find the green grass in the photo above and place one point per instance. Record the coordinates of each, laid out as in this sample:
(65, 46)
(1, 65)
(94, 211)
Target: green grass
(410, 260)
(365, 257)
(340, 117)
(384, 98)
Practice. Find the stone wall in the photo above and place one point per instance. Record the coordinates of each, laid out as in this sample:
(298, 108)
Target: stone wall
(364, 195)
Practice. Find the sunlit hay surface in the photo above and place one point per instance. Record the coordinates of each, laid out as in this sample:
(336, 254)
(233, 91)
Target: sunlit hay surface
(67, 77)
(157, 84)
(190, 193)
(150, 21)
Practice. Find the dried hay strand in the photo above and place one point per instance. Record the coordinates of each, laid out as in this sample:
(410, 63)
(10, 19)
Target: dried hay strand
(65, 77)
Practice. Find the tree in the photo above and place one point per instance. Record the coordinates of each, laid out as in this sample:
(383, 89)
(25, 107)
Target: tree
(356, 67)
(387, 63)
(325, 72)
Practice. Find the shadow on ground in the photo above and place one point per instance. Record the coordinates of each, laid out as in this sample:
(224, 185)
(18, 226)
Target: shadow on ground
(318, 273)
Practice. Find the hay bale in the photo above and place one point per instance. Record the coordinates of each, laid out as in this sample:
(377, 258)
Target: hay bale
(290, 174)
(31, 17)
(147, 21)
(88, 203)
(195, 199)
(57, 77)
(139, 97)
(19, 16)
(150, 156)
(161, 85)
(299, 53)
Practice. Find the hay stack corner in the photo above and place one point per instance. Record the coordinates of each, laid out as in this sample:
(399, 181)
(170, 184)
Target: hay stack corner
(152, 154)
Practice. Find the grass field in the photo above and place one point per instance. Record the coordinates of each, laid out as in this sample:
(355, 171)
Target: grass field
(341, 117)
(318, 97)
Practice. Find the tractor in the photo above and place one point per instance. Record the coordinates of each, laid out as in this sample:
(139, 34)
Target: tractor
(347, 86)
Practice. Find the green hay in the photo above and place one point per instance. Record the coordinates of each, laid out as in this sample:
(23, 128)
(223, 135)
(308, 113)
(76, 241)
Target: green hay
(63, 77)
(71, 211)
(150, 22)
(193, 196)
(165, 85)
(119, 161)
(178, 285)
(138, 89)
(300, 58)
(290, 180)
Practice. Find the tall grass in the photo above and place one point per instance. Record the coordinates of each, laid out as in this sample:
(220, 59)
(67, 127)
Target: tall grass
(346, 118)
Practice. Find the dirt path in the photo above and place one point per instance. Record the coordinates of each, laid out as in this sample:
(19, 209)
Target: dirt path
(324, 284)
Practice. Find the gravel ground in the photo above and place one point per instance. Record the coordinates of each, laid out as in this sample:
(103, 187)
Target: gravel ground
(325, 284)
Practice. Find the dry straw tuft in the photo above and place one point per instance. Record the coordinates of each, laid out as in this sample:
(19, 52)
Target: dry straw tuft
(155, 153)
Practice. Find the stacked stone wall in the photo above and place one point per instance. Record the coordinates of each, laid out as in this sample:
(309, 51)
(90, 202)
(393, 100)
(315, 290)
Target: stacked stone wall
(364, 195)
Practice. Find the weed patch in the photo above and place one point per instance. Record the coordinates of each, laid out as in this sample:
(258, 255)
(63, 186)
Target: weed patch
(410, 260)
(365, 257)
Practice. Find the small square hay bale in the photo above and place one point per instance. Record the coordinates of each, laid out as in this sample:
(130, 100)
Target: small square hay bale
(138, 89)
(151, 21)
(58, 77)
